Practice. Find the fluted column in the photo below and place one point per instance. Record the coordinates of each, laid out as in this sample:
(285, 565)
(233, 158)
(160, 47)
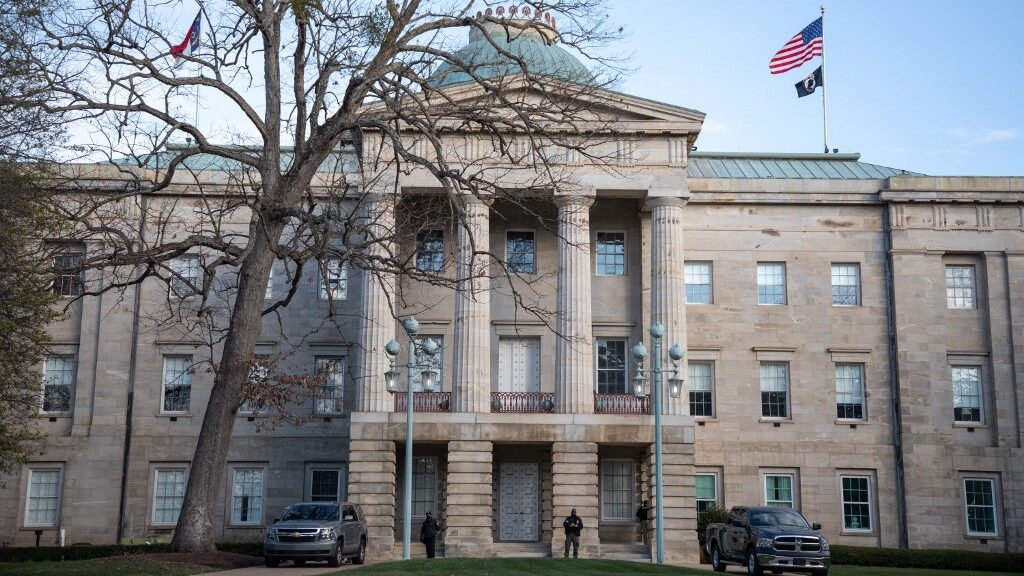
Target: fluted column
(668, 283)
(574, 352)
(471, 387)
(377, 325)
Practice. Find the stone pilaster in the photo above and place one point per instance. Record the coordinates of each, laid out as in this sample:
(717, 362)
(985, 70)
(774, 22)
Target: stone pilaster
(680, 505)
(471, 385)
(668, 284)
(574, 485)
(377, 325)
(371, 484)
(574, 352)
(468, 505)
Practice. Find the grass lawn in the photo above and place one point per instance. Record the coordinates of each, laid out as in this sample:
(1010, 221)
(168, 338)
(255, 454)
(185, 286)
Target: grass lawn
(564, 567)
(105, 567)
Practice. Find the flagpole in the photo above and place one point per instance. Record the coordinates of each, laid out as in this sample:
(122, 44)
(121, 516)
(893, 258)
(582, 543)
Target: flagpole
(824, 101)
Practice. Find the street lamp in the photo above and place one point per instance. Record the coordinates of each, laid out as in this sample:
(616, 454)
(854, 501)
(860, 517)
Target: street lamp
(427, 378)
(675, 383)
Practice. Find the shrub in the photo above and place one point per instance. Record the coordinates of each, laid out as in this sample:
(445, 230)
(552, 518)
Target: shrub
(56, 553)
(711, 515)
(923, 558)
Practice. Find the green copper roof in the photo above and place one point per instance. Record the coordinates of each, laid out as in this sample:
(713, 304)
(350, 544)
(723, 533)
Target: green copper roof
(540, 55)
(799, 166)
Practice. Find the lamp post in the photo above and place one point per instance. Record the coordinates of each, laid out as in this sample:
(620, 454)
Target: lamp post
(657, 332)
(427, 375)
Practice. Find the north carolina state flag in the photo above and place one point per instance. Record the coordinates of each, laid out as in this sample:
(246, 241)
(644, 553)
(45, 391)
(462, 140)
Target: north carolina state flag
(190, 44)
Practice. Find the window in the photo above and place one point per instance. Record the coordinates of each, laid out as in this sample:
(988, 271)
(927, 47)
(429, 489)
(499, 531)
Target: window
(430, 251)
(168, 494)
(774, 390)
(701, 376)
(846, 284)
(617, 489)
(247, 496)
(334, 280)
(610, 256)
(42, 501)
(325, 485)
(771, 283)
(58, 379)
(856, 503)
(330, 394)
(960, 287)
(611, 367)
(67, 271)
(850, 391)
(256, 387)
(698, 282)
(424, 485)
(966, 394)
(185, 276)
(707, 491)
(980, 500)
(778, 490)
(177, 383)
(520, 252)
(426, 361)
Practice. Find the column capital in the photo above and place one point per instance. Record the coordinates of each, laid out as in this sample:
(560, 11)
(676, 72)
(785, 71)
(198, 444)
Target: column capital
(475, 199)
(573, 200)
(652, 202)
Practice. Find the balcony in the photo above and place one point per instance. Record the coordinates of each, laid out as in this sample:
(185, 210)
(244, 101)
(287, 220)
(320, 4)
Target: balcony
(621, 404)
(425, 401)
(522, 402)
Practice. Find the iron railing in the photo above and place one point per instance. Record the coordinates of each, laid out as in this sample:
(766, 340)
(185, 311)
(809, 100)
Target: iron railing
(621, 404)
(425, 401)
(522, 402)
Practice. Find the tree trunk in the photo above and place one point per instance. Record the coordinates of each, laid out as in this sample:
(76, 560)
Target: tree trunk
(194, 531)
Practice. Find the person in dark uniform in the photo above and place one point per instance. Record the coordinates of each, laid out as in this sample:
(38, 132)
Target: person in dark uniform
(573, 527)
(428, 534)
(641, 517)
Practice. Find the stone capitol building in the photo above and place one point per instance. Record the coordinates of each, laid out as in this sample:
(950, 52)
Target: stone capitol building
(853, 336)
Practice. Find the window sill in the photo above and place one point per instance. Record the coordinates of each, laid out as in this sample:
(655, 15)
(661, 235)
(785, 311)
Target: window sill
(174, 415)
(54, 415)
(847, 306)
(700, 303)
(618, 522)
(244, 526)
(994, 537)
(162, 526)
(48, 527)
(851, 422)
(855, 533)
(775, 420)
(766, 304)
(970, 425)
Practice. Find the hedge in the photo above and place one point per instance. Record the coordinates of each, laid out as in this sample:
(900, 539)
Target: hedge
(937, 559)
(88, 552)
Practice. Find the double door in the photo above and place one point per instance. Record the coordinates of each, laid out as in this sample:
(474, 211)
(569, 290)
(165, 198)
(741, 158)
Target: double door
(519, 489)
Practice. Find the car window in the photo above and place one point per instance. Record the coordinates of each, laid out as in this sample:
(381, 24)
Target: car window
(348, 513)
(314, 512)
(779, 517)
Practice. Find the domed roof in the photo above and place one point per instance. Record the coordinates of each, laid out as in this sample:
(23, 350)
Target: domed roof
(538, 51)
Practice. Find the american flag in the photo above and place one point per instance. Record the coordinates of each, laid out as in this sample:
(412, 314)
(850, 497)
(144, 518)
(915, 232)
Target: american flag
(807, 44)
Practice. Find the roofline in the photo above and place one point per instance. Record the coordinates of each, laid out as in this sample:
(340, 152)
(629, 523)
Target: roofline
(777, 155)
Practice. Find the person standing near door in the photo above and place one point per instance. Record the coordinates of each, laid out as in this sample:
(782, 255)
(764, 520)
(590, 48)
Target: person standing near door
(641, 518)
(428, 534)
(573, 527)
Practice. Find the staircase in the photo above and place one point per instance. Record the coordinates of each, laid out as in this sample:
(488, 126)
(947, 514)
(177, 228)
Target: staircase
(522, 549)
(631, 552)
(420, 551)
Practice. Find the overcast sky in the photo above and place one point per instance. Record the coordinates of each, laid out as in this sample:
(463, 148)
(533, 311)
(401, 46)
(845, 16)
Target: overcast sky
(932, 86)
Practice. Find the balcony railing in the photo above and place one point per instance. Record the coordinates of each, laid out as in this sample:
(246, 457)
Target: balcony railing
(425, 401)
(522, 402)
(621, 404)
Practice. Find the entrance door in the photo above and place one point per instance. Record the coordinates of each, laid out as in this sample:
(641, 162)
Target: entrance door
(519, 365)
(519, 485)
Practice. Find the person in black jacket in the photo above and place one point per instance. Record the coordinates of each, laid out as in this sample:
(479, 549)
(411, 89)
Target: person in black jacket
(428, 534)
(641, 517)
(573, 526)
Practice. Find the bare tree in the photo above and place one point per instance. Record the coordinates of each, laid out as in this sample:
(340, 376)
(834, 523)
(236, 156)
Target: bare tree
(339, 102)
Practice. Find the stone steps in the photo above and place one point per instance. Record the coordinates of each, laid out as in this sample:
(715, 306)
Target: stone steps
(522, 549)
(627, 551)
(420, 551)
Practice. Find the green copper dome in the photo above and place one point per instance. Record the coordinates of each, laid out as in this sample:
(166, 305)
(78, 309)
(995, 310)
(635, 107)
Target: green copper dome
(538, 51)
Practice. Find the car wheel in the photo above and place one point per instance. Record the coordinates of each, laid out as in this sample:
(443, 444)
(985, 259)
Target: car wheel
(716, 559)
(338, 557)
(271, 562)
(360, 556)
(753, 568)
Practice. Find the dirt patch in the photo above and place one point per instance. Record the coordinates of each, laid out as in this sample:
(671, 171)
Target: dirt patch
(219, 560)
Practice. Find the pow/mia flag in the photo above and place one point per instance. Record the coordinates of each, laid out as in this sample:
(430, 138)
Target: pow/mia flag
(808, 85)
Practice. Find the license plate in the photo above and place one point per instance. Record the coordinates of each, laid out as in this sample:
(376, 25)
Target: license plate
(799, 562)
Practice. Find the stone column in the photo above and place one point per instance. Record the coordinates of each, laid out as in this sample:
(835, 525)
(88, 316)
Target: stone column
(574, 485)
(679, 505)
(371, 484)
(377, 325)
(468, 505)
(471, 384)
(668, 284)
(574, 352)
